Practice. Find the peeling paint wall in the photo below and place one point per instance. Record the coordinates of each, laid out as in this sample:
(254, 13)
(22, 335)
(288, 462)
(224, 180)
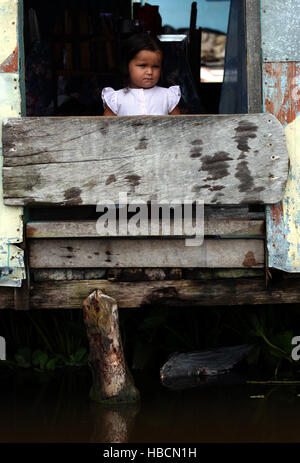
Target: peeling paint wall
(11, 224)
(280, 30)
(281, 90)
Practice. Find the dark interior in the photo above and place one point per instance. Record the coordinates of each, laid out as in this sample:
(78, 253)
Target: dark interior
(72, 51)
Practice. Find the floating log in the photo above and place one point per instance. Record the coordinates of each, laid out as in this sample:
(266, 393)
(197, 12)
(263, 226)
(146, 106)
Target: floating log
(112, 382)
(203, 364)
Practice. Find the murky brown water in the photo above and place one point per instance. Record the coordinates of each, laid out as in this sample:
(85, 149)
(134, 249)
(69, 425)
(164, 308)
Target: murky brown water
(35, 408)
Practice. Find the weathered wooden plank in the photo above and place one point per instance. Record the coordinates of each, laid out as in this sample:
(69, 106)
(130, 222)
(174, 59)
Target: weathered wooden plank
(238, 212)
(105, 253)
(183, 293)
(87, 229)
(144, 274)
(227, 159)
(7, 298)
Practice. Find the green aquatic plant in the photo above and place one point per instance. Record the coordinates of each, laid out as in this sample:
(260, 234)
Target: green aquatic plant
(58, 338)
(42, 361)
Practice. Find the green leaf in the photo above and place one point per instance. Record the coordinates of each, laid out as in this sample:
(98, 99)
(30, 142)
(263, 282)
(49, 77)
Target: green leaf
(284, 341)
(21, 361)
(25, 352)
(51, 364)
(79, 354)
(39, 358)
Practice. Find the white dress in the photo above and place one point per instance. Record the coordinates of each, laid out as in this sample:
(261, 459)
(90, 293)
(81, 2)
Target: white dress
(139, 101)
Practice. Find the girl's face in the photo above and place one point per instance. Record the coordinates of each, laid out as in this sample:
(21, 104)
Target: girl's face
(144, 69)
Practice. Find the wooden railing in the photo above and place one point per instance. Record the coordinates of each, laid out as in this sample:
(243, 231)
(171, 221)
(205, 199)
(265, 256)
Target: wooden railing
(228, 162)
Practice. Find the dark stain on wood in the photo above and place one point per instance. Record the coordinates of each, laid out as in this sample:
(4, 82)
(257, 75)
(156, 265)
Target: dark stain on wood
(31, 183)
(246, 181)
(244, 131)
(161, 295)
(244, 176)
(217, 199)
(108, 254)
(142, 144)
(197, 188)
(242, 156)
(216, 165)
(110, 179)
(249, 260)
(72, 196)
(134, 180)
(69, 248)
(29, 231)
(217, 188)
(196, 151)
(137, 124)
(103, 129)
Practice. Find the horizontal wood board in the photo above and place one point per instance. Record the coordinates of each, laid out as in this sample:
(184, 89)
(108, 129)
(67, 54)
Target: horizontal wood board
(118, 252)
(182, 293)
(87, 229)
(219, 159)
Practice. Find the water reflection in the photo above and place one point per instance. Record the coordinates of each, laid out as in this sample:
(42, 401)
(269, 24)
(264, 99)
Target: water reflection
(113, 424)
(37, 408)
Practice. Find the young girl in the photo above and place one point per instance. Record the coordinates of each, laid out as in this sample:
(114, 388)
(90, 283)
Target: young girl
(141, 67)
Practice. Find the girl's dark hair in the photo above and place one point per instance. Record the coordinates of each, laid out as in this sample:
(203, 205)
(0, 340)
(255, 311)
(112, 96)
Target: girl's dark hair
(132, 46)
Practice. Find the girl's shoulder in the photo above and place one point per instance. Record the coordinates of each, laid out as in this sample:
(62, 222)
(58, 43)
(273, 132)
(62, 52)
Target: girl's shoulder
(109, 91)
(111, 98)
(173, 90)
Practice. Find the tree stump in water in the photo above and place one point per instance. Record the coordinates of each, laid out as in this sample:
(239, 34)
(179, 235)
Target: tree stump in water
(112, 381)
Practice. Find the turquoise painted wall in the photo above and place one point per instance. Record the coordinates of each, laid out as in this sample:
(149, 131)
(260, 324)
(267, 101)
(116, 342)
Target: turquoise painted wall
(211, 14)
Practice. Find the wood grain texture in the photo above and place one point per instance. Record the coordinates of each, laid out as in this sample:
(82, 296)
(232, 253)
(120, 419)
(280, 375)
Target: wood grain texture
(183, 293)
(224, 159)
(106, 253)
(144, 274)
(87, 229)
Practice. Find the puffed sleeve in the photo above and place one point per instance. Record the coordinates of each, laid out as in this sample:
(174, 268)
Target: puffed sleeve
(174, 95)
(109, 98)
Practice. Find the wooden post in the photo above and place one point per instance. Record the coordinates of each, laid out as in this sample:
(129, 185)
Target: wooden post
(112, 381)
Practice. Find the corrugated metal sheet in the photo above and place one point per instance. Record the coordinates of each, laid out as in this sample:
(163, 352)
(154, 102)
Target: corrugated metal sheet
(280, 30)
(282, 98)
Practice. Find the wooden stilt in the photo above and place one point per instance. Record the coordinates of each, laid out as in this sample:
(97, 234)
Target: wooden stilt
(112, 381)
